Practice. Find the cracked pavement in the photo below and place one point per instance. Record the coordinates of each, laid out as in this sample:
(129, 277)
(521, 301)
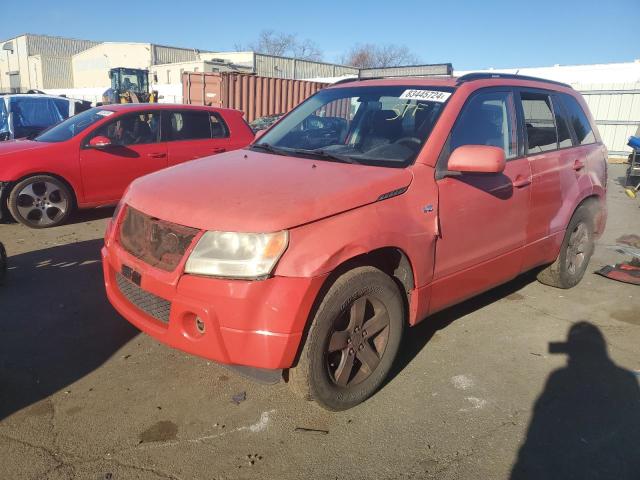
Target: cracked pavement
(84, 395)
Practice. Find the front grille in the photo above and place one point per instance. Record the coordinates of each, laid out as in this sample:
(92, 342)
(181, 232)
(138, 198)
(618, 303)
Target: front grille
(156, 242)
(152, 305)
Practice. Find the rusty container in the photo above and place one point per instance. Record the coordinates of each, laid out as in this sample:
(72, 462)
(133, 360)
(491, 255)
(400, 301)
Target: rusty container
(256, 96)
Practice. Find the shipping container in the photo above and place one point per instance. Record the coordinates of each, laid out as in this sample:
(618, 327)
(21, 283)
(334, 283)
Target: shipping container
(255, 96)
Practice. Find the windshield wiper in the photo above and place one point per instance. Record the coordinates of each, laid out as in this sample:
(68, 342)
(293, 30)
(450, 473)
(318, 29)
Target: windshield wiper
(328, 155)
(267, 147)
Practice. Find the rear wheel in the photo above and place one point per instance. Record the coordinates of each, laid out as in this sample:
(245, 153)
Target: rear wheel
(40, 202)
(352, 342)
(575, 252)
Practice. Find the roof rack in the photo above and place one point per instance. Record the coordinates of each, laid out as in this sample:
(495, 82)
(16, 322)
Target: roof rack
(347, 80)
(469, 77)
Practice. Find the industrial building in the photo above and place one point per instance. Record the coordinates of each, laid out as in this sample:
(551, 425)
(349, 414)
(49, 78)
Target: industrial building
(38, 62)
(91, 66)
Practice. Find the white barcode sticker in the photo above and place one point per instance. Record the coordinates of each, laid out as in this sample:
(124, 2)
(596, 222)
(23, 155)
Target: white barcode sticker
(426, 95)
(104, 113)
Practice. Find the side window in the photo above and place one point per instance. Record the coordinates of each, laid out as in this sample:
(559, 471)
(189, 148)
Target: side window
(578, 120)
(564, 134)
(134, 129)
(218, 127)
(487, 119)
(189, 126)
(540, 127)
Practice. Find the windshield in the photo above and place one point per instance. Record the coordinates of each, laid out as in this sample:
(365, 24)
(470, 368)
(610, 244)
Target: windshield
(73, 126)
(383, 126)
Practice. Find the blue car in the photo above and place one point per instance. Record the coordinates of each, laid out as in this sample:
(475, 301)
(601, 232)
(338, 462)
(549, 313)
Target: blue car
(25, 115)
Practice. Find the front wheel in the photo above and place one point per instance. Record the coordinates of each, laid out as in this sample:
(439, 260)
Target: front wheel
(575, 252)
(353, 340)
(41, 201)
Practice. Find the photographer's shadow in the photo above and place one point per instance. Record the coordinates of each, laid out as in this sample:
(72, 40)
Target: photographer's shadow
(586, 423)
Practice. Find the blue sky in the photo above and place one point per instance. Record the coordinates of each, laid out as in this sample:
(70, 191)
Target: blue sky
(472, 34)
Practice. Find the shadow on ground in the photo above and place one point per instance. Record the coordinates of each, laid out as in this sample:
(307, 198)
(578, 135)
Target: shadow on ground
(79, 216)
(56, 324)
(416, 338)
(586, 422)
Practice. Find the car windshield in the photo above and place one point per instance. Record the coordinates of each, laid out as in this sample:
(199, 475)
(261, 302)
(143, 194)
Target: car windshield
(381, 126)
(72, 126)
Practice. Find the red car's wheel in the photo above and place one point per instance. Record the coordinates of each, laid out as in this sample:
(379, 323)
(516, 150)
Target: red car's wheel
(40, 202)
(3, 263)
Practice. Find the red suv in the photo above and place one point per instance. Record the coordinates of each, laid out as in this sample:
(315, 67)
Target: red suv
(89, 159)
(370, 206)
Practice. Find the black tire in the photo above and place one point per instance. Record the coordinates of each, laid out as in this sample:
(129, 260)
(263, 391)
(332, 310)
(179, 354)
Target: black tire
(365, 290)
(567, 271)
(47, 204)
(3, 263)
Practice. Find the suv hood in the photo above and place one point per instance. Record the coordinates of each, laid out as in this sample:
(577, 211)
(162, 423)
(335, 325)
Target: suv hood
(247, 191)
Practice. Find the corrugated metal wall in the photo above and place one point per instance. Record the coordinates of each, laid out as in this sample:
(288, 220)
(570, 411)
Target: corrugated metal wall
(56, 46)
(616, 109)
(256, 96)
(162, 54)
(56, 72)
(284, 67)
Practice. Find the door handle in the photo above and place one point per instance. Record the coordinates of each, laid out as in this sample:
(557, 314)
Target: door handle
(219, 150)
(520, 182)
(578, 165)
(156, 155)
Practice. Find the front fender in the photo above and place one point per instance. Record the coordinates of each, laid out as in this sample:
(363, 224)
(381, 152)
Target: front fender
(320, 247)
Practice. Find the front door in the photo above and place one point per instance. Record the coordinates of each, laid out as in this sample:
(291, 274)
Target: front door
(135, 151)
(483, 217)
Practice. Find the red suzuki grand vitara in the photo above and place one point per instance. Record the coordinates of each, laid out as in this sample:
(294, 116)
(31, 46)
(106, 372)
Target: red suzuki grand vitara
(367, 208)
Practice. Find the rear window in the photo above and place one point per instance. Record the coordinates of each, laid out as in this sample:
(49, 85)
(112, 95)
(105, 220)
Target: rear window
(540, 126)
(578, 119)
(196, 125)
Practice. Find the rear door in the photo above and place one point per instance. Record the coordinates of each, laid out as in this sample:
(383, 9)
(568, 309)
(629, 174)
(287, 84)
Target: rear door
(135, 151)
(483, 217)
(194, 134)
(557, 166)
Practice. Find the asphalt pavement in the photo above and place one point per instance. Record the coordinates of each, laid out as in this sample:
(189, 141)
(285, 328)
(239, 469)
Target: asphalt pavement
(523, 382)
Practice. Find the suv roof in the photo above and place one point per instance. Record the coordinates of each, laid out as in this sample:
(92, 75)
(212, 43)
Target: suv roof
(486, 77)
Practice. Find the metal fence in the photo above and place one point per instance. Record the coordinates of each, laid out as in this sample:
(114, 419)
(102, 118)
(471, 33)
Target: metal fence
(616, 110)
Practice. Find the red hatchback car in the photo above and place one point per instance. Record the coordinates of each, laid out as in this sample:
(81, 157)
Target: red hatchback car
(89, 159)
(370, 206)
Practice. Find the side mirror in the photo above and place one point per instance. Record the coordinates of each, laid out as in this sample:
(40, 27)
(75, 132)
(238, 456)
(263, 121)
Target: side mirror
(99, 142)
(258, 134)
(477, 159)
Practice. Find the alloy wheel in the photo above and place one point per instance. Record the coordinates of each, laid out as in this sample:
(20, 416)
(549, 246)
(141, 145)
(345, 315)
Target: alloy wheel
(42, 203)
(358, 341)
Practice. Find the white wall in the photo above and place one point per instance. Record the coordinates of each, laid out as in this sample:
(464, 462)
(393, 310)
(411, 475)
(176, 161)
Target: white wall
(91, 67)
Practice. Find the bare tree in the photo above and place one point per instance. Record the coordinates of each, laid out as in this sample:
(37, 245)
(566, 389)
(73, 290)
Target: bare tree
(368, 55)
(283, 44)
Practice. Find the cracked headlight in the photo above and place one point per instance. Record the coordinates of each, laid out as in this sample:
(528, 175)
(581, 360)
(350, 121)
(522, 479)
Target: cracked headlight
(237, 255)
